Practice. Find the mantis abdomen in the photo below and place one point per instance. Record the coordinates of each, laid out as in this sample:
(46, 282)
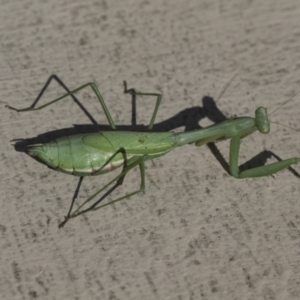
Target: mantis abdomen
(72, 155)
(99, 153)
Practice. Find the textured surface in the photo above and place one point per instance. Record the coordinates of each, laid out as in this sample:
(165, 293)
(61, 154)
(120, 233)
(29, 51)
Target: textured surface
(196, 233)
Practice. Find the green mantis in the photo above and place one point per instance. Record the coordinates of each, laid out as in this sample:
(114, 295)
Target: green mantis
(101, 152)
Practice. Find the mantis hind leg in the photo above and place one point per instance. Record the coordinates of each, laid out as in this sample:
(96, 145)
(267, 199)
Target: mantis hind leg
(95, 90)
(131, 164)
(158, 101)
(258, 171)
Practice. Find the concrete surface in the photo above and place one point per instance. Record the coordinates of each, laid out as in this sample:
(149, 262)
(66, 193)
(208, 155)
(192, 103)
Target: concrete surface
(197, 233)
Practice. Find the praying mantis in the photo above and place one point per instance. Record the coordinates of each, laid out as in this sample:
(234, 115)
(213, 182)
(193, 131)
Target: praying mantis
(97, 153)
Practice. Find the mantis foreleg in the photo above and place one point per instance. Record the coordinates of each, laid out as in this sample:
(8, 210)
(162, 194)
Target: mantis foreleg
(258, 171)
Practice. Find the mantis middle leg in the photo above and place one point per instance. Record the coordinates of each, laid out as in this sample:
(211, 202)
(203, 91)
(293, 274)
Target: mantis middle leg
(158, 101)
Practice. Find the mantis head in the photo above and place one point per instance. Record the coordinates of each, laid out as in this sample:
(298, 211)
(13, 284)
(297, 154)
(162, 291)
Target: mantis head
(261, 120)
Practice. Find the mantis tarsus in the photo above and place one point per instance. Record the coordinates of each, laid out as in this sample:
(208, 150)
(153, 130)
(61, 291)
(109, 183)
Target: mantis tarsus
(101, 152)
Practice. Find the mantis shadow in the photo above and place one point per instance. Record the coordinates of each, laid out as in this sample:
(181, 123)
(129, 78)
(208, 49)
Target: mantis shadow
(188, 118)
